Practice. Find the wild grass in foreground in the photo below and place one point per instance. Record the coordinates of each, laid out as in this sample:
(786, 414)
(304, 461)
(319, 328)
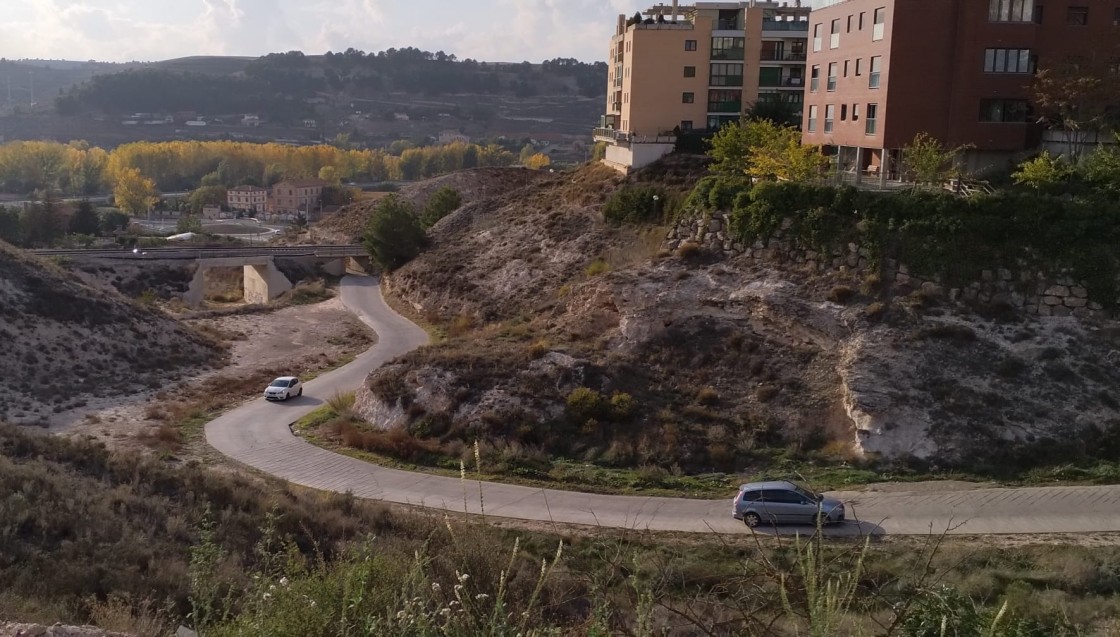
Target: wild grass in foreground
(135, 545)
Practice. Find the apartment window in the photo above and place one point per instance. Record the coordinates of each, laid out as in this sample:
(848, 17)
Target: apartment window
(686, 125)
(770, 76)
(850, 24)
(831, 76)
(815, 78)
(727, 48)
(817, 37)
(1010, 10)
(690, 45)
(690, 71)
(1077, 16)
(846, 67)
(813, 118)
(871, 124)
(843, 112)
(859, 65)
(861, 15)
(1004, 111)
(880, 23)
(725, 74)
(1007, 61)
(829, 114)
(1116, 17)
(725, 101)
(688, 98)
(876, 69)
(855, 112)
(834, 35)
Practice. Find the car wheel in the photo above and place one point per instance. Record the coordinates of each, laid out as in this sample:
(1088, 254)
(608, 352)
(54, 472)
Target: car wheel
(287, 396)
(300, 392)
(822, 520)
(751, 519)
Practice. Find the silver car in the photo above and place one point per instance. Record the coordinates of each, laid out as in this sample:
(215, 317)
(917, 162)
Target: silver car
(784, 503)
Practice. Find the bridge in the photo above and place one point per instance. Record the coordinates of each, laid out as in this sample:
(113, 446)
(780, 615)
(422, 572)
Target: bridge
(263, 280)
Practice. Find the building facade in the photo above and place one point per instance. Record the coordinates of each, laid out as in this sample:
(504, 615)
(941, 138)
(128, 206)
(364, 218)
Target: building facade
(696, 67)
(296, 196)
(883, 71)
(247, 198)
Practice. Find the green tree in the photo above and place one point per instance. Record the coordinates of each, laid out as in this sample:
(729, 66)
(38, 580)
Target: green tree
(635, 204)
(778, 153)
(43, 222)
(527, 152)
(1102, 167)
(330, 174)
(926, 161)
(85, 219)
(440, 204)
(730, 148)
(1043, 172)
(206, 196)
(393, 234)
(11, 230)
(189, 223)
(113, 220)
(134, 193)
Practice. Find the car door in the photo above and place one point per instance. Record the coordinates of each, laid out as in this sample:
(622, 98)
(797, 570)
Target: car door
(786, 506)
(802, 509)
(293, 387)
(771, 506)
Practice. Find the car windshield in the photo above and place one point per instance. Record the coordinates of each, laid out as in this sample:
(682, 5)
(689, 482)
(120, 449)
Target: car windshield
(279, 382)
(805, 492)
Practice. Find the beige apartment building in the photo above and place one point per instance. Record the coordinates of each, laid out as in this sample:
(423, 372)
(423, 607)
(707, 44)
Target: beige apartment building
(247, 198)
(681, 68)
(296, 196)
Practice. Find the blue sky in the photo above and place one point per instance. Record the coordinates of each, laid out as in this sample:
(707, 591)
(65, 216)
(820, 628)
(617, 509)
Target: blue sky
(147, 30)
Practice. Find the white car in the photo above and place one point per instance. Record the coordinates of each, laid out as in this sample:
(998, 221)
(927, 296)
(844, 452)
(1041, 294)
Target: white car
(283, 388)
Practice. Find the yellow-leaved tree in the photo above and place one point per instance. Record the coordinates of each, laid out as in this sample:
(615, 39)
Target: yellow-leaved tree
(538, 161)
(134, 193)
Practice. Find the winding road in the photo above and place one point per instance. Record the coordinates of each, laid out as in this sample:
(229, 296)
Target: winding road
(257, 434)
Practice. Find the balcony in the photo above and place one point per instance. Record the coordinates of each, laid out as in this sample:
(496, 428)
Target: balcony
(728, 54)
(628, 137)
(726, 80)
(781, 56)
(725, 107)
(786, 25)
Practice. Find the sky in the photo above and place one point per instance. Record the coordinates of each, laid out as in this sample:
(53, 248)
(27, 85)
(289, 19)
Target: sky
(150, 30)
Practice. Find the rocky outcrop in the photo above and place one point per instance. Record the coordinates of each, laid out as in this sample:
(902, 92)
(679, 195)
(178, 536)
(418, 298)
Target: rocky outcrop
(57, 630)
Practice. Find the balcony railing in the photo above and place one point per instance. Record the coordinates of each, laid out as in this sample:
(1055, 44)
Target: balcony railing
(726, 80)
(728, 54)
(629, 137)
(785, 25)
(781, 56)
(725, 107)
(728, 25)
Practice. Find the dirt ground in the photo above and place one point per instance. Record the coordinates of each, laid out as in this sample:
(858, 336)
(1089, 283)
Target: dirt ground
(299, 339)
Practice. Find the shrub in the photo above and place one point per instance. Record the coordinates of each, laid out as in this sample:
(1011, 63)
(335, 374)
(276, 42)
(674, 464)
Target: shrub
(460, 325)
(584, 404)
(841, 294)
(636, 204)
(622, 406)
(876, 311)
(442, 203)
(393, 234)
(689, 250)
(707, 396)
(597, 267)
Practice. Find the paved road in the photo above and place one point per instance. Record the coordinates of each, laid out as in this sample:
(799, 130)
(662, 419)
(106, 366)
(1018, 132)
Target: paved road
(188, 252)
(257, 435)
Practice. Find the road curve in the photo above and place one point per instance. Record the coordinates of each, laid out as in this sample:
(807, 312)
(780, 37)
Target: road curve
(258, 435)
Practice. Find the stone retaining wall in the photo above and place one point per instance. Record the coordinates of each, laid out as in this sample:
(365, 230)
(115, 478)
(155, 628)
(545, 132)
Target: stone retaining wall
(1031, 291)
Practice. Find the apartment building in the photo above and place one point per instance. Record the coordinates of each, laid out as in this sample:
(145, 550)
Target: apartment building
(883, 71)
(678, 68)
(247, 198)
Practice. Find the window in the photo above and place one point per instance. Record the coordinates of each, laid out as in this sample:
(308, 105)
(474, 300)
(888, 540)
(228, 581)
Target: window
(1116, 17)
(1077, 16)
(876, 69)
(846, 67)
(1008, 61)
(816, 37)
(872, 121)
(843, 112)
(725, 101)
(855, 112)
(829, 115)
(688, 98)
(686, 125)
(850, 24)
(1004, 111)
(859, 64)
(834, 35)
(690, 45)
(1010, 10)
(813, 118)
(832, 76)
(727, 49)
(861, 14)
(815, 78)
(769, 76)
(690, 71)
(880, 23)
(725, 74)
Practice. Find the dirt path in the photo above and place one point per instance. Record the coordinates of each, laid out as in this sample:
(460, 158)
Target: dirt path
(307, 338)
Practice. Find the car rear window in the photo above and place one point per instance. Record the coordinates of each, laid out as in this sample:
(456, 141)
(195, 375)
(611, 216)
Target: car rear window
(750, 496)
(279, 383)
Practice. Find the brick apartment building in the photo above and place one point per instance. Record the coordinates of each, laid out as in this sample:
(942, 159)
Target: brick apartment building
(295, 196)
(882, 71)
(252, 199)
(697, 67)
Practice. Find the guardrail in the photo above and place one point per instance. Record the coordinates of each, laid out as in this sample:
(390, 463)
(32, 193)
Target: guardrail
(187, 252)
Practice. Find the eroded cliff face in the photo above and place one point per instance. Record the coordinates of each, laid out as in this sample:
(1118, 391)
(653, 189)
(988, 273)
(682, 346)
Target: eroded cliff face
(724, 353)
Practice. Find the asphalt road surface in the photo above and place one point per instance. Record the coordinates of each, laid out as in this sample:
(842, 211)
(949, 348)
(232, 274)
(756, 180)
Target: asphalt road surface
(258, 435)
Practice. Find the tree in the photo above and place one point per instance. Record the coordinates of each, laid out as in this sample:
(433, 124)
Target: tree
(779, 111)
(206, 196)
(440, 204)
(330, 174)
(538, 161)
(85, 219)
(779, 154)
(134, 193)
(1043, 172)
(925, 160)
(1079, 94)
(729, 147)
(11, 230)
(527, 151)
(113, 221)
(43, 223)
(1102, 167)
(189, 223)
(393, 235)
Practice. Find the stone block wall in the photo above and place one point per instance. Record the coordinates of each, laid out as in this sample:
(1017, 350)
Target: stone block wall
(1028, 290)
